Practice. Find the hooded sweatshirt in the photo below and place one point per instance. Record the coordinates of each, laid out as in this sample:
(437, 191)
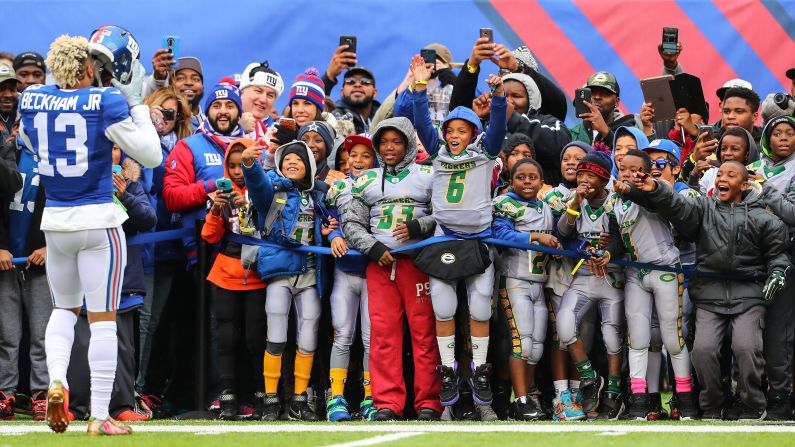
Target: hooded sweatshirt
(707, 182)
(389, 195)
(778, 189)
(641, 141)
(462, 183)
(227, 271)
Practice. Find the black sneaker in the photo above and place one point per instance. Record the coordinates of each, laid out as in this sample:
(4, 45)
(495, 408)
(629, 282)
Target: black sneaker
(384, 415)
(480, 384)
(591, 389)
(300, 410)
(639, 406)
(712, 415)
(428, 415)
(449, 378)
(536, 407)
(611, 406)
(748, 414)
(228, 406)
(522, 410)
(656, 410)
(271, 408)
(259, 406)
(687, 405)
(778, 407)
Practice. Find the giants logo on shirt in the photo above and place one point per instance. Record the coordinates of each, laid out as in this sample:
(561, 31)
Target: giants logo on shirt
(213, 160)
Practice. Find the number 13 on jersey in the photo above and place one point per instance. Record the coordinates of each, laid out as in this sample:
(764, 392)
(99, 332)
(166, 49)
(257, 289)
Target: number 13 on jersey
(70, 130)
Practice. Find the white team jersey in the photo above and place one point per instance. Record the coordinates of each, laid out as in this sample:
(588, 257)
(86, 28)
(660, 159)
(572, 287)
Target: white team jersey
(646, 236)
(394, 199)
(304, 231)
(591, 223)
(527, 218)
(339, 196)
(557, 198)
(462, 189)
(778, 177)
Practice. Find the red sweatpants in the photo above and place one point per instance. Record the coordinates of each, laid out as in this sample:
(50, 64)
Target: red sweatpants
(408, 295)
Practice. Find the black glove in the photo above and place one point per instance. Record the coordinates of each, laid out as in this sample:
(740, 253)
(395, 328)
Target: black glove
(284, 134)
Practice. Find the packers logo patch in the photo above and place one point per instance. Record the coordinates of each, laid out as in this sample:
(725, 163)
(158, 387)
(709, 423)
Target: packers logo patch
(668, 277)
(447, 258)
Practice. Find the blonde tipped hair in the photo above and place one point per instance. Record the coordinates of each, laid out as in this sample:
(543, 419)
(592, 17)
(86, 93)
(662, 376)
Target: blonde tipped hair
(67, 58)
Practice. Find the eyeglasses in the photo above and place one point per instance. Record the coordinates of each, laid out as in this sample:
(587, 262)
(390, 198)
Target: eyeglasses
(363, 81)
(660, 164)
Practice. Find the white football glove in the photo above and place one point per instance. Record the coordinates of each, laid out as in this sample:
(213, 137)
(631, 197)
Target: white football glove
(132, 91)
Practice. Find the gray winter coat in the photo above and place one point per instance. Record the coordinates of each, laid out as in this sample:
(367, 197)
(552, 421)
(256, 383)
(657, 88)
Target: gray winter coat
(743, 240)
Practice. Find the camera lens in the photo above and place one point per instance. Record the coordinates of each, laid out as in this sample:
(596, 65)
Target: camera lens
(781, 100)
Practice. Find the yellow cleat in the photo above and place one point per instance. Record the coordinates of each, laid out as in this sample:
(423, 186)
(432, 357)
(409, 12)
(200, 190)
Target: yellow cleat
(107, 427)
(57, 413)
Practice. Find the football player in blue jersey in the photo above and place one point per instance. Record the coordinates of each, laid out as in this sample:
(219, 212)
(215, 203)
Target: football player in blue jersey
(72, 126)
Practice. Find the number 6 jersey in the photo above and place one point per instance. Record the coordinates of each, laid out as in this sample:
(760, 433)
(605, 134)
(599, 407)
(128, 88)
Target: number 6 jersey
(394, 199)
(72, 133)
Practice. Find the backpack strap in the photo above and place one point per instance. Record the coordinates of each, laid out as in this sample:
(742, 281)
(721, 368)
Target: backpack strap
(275, 210)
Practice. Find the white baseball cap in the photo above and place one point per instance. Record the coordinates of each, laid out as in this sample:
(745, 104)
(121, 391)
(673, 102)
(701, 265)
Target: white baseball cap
(734, 83)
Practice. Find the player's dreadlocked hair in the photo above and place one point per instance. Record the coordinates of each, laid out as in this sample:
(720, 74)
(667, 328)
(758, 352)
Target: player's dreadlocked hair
(66, 59)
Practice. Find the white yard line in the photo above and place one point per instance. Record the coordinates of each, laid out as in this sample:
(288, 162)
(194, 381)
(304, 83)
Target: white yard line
(426, 428)
(377, 440)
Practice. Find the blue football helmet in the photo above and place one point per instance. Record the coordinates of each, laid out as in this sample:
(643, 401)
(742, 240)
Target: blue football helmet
(114, 49)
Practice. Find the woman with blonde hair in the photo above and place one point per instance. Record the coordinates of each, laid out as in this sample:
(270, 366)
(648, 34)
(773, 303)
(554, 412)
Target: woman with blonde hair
(171, 116)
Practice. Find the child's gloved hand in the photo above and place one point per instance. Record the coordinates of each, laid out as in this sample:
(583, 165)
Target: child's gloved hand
(775, 282)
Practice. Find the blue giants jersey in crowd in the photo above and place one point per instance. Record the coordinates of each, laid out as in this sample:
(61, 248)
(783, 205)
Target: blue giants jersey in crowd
(67, 131)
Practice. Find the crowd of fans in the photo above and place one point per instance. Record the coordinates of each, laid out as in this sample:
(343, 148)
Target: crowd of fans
(457, 330)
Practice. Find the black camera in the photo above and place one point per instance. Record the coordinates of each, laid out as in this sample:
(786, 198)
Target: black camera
(782, 100)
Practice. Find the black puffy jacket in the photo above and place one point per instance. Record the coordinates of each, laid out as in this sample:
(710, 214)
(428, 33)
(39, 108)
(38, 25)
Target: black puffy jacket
(744, 240)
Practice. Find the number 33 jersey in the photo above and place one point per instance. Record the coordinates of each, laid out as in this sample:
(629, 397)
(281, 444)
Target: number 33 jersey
(394, 199)
(67, 131)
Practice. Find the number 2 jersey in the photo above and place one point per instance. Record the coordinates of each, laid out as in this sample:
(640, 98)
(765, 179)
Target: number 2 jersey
(462, 189)
(526, 217)
(394, 199)
(647, 237)
(72, 133)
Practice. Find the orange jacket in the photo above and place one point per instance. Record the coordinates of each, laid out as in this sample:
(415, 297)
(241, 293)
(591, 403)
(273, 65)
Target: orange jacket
(227, 271)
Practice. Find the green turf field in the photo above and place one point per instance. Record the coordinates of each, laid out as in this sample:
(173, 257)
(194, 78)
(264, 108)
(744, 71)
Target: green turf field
(591, 434)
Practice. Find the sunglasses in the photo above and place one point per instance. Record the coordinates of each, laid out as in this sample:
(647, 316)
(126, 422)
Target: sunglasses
(660, 164)
(363, 81)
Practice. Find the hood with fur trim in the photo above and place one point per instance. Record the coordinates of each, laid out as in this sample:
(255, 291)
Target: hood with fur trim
(404, 126)
(130, 170)
(753, 149)
(311, 170)
(641, 140)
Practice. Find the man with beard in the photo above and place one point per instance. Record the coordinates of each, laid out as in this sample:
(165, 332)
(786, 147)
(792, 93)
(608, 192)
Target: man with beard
(187, 79)
(358, 98)
(196, 162)
(8, 100)
(604, 117)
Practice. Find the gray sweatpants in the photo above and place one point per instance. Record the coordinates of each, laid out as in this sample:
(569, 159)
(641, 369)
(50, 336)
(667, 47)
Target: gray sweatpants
(657, 293)
(281, 295)
(526, 312)
(23, 289)
(480, 289)
(585, 292)
(349, 298)
(779, 335)
(746, 334)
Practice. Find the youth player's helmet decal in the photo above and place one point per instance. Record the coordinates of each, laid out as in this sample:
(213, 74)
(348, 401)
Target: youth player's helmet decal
(114, 49)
